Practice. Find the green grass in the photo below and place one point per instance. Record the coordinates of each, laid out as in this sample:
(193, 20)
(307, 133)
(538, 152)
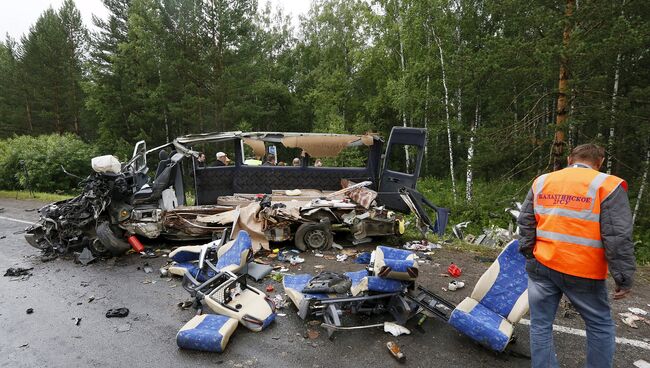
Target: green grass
(38, 196)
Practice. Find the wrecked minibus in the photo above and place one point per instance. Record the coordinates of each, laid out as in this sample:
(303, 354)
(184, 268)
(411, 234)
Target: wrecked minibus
(121, 203)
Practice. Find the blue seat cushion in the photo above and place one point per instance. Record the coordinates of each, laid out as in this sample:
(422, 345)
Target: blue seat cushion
(193, 269)
(297, 283)
(186, 253)
(238, 252)
(361, 281)
(483, 326)
(511, 281)
(207, 332)
(394, 253)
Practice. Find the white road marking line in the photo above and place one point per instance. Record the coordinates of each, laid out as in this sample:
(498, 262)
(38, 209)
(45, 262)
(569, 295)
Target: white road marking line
(17, 220)
(583, 333)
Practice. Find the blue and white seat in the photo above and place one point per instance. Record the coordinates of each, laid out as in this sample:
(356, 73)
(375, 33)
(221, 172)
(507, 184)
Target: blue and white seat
(206, 332)
(392, 263)
(499, 300)
(231, 257)
(362, 282)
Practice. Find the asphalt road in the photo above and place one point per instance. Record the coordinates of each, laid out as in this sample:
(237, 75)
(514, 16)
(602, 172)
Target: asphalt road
(59, 292)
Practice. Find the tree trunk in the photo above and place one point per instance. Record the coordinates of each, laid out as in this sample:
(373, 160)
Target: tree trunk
(444, 84)
(612, 119)
(28, 110)
(470, 155)
(403, 70)
(563, 87)
(644, 181)
(426, 126)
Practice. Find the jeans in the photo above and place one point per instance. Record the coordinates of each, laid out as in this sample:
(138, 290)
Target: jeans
(589, 297)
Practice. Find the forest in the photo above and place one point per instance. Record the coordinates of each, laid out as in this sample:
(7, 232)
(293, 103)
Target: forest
(505, 88)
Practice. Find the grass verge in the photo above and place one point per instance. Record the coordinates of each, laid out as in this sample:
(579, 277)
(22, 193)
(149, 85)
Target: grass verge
(38, 196)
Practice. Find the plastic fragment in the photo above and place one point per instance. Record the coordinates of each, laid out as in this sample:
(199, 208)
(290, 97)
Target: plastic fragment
(395, 351)
(395, 329)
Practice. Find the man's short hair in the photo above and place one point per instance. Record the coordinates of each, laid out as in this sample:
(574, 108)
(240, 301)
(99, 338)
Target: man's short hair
(588, 152)
(221, 154)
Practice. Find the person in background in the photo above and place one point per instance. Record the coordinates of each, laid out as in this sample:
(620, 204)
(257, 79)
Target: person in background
(200, 161)
(222, 159)
(296, 162)
(269, 160)
(318, 163)
(575, 225)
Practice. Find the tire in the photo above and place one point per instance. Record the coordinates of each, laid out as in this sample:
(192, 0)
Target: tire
(110, 240)
(314, 236)
(97, 248)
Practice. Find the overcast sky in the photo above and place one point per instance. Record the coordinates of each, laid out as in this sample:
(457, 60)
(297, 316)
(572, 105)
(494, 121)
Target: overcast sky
(16, 16)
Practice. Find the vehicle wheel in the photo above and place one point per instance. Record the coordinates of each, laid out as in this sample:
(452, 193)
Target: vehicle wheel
(314, 236)
(97, 248)
(112, 239)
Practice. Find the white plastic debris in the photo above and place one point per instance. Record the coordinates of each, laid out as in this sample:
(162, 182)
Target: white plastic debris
(641, 364)
(630, 319)
(422, 246)
(455, 285)
(395, 329)
(638, 311)
(341, 257)
(106, 164)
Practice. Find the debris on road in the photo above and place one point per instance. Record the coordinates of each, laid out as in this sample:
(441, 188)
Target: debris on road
(641, 364)
(630, 319)
(77, 321)
(123, 328)
(18, 271)
(186, 304)
(312, 334)
(395, 351)
(638, 311)
(29, 310)
(422, 246)
(85, 257)
(455, 285)
(454, 271)
(117, 313)
(395, 329)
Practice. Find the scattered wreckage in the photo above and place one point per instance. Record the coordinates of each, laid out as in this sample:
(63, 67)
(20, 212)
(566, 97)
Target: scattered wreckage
(387, 286)
(119, 204)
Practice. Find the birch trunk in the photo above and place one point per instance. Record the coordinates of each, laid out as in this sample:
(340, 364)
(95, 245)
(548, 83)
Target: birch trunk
(403, 70)
(470, 155)
(444, 85)
(612, 118)
(644, 181)
(563, 87)
(426, 126)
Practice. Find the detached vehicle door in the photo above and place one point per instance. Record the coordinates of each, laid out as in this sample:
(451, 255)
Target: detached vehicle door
(401, 167)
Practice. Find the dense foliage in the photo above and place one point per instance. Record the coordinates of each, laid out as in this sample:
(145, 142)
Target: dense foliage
(35, 162)
(480, 75)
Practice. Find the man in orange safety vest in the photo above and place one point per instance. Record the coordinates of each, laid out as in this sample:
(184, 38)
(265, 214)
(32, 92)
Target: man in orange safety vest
(575, 225)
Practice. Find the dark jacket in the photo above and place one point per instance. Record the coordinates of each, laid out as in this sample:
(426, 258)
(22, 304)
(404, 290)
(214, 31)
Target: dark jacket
(615, 231)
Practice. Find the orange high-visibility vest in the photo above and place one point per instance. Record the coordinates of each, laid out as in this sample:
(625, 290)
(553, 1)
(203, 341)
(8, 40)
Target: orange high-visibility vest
(567, 209)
